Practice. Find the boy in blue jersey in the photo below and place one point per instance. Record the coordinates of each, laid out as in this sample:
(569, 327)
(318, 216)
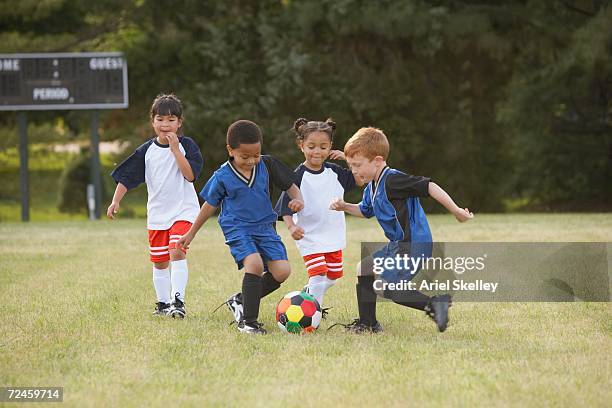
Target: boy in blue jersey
(392, 197)
(242, 187)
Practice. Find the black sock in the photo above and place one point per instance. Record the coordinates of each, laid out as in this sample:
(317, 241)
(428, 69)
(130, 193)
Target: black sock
(251, 295)
(366, 300)
(268, 284)
(409, 298)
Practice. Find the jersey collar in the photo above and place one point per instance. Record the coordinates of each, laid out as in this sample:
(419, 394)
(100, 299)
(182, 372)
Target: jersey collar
(376, 183)
(249, 182)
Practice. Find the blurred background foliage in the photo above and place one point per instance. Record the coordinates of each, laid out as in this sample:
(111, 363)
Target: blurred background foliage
(507, 105)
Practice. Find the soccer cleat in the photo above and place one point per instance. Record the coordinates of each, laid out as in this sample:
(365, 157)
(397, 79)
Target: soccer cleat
(437, 310)
(177, 310)
(358, 327)
(251, 328)
(161, 309)
(234, 304)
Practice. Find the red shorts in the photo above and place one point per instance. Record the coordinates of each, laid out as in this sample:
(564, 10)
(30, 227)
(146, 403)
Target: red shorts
(329, 264)
(162, 241)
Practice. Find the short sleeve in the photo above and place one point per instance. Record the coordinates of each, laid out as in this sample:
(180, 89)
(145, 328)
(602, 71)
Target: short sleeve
(213, 191)
(345, 176)
(400, 186)
(365, 206)
(193, 156)
(131, 172)
(280, 174)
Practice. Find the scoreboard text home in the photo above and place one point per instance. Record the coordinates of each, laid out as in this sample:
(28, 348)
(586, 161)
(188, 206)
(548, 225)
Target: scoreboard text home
(63, 81)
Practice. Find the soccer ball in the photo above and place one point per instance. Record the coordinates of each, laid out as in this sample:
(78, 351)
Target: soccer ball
(298, 312)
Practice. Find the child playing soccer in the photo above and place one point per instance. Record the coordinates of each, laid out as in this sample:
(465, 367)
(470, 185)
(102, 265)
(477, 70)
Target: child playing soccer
(392, 197)
(242, 187)
(319, 233)
(168, 163)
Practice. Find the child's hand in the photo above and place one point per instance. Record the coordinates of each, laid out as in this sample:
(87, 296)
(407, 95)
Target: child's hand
(113, 209)
(297, 232)
(295, 205)
(337, 155)
(338, 204)
(463, 214)
(173, 141)
(184, 241)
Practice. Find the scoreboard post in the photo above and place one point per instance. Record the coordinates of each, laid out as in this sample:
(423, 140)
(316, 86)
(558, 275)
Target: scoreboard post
(62, 81)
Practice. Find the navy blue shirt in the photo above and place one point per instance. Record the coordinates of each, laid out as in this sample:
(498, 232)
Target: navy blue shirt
(393, 200)
(246, 202)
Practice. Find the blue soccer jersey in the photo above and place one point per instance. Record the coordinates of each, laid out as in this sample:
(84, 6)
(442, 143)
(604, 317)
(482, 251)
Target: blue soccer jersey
(394, 201)
(245, 202)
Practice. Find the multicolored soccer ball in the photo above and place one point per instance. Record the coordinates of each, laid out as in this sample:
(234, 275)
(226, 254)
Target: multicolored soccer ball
(298, 312)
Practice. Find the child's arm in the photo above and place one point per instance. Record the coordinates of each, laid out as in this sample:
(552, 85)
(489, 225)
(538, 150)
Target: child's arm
(296, 231)
(205, 212)
(437, 193)
(113, 208)
(181, 160)
(341, 205)
(297, 201)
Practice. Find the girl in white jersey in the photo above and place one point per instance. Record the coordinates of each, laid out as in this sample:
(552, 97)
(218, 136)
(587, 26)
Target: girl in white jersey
(319, 233)
(168, 163)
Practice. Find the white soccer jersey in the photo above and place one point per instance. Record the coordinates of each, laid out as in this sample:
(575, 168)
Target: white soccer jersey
(324, 229)
(171, 197)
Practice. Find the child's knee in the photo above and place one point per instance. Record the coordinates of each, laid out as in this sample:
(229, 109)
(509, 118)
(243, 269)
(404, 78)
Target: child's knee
(176, 254)
(161, 265)
(280, 270)
(253, 265)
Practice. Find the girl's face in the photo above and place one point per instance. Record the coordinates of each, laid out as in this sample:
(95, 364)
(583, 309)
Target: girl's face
(316, 148)
(163, 124)
(246, 156)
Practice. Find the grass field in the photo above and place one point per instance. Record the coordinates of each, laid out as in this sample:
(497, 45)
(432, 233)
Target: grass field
(77, 313)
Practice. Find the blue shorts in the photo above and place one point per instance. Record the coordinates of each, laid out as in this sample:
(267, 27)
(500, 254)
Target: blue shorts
(411, 250)
(262, 240)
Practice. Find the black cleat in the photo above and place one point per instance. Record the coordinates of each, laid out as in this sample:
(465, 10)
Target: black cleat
(177, 310)
(251, 328)
(234, 304)
(358, 327)
(161, 309)
(437, 310)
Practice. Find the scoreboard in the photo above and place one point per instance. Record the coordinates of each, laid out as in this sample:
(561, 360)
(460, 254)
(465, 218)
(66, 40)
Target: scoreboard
(59, 81)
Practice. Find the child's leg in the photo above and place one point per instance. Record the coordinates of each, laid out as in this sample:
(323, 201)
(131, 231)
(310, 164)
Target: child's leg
(316, 267)
(278, 272)
(366, 297)
(252, 287)
(159, 255)
(180, 270)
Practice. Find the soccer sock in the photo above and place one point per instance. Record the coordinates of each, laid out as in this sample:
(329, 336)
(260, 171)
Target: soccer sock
(161, 282)
(409, 298)
(329, 282)
(268, 284)
(179, 275)
(366, 300)
(251, 296)
(317, 287)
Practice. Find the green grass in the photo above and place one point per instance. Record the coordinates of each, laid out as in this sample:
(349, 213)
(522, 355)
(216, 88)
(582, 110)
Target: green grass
(78, 297)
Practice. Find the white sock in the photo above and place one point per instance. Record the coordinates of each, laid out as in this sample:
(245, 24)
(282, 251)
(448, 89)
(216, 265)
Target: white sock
(329, 282)
(179, 278)
(316, 287)
(161, 281)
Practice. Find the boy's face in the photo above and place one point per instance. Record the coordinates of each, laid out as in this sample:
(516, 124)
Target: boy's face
(364, 170)
(246, 156)
(163, 124)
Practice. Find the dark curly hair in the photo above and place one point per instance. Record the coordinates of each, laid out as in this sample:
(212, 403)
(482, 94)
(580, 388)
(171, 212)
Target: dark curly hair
(303, 127)
(243, 132)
